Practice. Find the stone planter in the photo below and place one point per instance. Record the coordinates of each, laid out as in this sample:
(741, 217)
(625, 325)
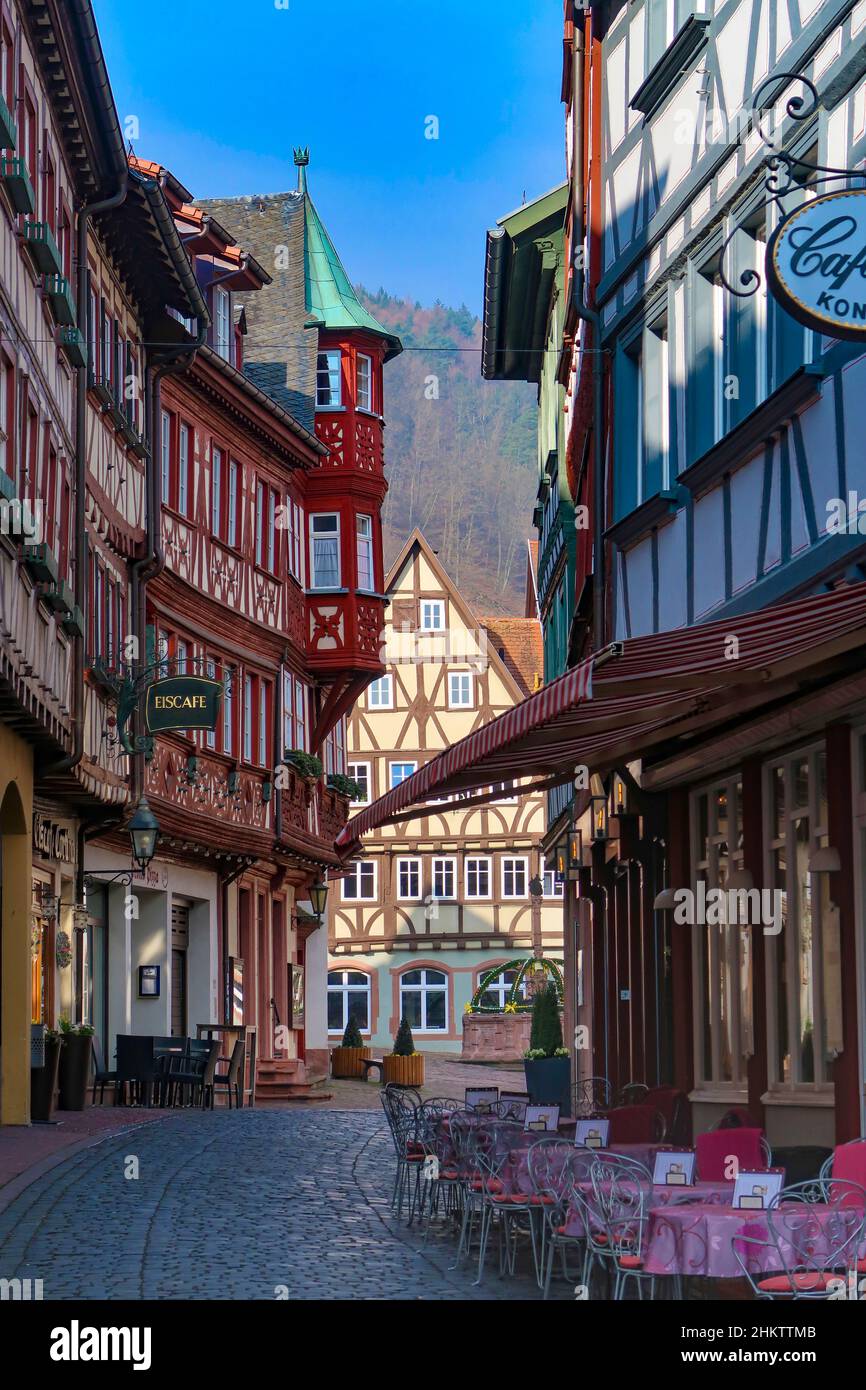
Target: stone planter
(496, 1037)
(548, 1081)
(43, 1083)
(403, 1071)
(75, 1070)
(346, 1061)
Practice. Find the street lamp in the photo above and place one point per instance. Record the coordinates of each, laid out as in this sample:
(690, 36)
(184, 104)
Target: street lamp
(319, 898)
(144, 834)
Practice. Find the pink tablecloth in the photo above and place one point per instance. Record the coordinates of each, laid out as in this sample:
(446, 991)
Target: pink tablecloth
(698, 1239)
(663, 1195)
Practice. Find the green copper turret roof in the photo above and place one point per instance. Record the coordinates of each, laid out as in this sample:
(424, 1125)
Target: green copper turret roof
(330, 299)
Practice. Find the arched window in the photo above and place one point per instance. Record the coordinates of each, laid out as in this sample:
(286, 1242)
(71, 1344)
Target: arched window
(424, 1000)
(496, 994)
(348, 996)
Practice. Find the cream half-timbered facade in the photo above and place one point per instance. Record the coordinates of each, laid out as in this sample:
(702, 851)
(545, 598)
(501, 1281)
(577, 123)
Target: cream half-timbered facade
(431, 904)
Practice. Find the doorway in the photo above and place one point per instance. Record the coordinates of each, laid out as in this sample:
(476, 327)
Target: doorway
(179, 950)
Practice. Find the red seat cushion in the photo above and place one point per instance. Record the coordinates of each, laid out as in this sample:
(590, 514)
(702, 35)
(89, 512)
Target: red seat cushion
(715, 1149)
(631, 1261)
(808, 1281)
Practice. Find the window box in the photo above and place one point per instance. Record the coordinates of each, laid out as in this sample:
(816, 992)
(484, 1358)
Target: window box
(307, 765)
(43, 249)
(71, 341)
(57, 595)
(73, 623)
(8, 129)
(39, 560)
(17, 180)
(58, 289)
(345, 786)
(101, 676)
(676, 60)
(102, 390)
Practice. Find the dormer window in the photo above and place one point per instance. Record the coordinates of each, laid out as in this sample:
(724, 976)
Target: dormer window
(364, 396)
(329, 394)
(222, 323)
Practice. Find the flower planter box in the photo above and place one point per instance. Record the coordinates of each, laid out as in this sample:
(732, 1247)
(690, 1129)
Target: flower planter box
(489, 1037)
(43, 1083)
(346, 1061)
(548, 1081)
(75, 1071)
(403, 1071)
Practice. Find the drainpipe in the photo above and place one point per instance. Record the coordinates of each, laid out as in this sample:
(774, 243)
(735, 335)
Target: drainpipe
(85, 214)
(591, 317)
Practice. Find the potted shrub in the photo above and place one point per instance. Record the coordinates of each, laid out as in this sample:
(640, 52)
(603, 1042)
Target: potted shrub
(347, 1058)
(546, 1062)
(43, 1080)
(403, 1066)
(75, 1064)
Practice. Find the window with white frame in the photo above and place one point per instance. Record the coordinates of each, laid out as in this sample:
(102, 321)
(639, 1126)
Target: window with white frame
(183, 470)
(211, 673)
(444, 879)
(380, 693)
(364, 546)
(498, 990)
(248, 719)
(432, 615)
(348, 998)
(408, 880)
(553, 887)
(515, 877)
(364, 395)
(721, 956)
(460, 693)
(360, 773)
(400, 772)
(803, 958)
(234, 473)
(359, 882)
(329, 393)
(216, 491)
(229, 710)
(165, 457)
(424, 1000)
(222, 308)
(477, 874)
(262, 741)
(295, 529)
(325, 551)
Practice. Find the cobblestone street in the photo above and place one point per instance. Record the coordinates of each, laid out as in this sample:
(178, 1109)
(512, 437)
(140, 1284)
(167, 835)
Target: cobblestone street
(233, 1205)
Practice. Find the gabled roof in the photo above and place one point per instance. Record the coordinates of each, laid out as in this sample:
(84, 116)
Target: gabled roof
(331, 300)
(518, 642)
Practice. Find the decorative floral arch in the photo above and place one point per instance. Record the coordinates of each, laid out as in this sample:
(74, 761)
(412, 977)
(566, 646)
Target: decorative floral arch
(523, 965)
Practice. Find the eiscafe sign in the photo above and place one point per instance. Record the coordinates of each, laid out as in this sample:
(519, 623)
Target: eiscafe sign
(816, 265)
(54, 839)
(182, 702)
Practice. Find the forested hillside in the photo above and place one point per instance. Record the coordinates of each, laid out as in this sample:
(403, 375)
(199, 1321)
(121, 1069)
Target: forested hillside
(459, 452)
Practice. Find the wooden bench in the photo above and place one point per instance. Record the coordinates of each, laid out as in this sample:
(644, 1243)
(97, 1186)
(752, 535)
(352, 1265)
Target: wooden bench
(368, 1063)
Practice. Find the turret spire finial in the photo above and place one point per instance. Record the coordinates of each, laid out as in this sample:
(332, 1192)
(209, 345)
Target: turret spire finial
(302, 159)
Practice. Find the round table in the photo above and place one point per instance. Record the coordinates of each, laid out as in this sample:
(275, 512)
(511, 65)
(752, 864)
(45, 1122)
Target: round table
(698, 1238)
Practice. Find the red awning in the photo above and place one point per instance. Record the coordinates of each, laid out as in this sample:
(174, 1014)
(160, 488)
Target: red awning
(633, 695)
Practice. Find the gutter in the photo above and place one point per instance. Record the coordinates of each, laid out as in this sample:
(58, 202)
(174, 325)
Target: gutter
(593, 319)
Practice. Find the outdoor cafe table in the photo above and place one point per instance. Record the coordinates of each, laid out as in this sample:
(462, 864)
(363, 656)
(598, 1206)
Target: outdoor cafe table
(698, 1239)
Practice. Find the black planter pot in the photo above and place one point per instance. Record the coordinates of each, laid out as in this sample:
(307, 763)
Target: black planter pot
(43, 1083)
(75, 1071)
(548, 1081)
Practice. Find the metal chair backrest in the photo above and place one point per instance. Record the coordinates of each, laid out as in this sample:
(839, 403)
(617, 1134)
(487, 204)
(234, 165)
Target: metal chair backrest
(551, 1170)
(490, 1146)
(622, 1192)
(817, 1237)
(591, 1096)
(633, 1093)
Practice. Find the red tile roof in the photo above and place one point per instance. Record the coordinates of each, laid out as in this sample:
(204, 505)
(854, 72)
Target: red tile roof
(518, 642)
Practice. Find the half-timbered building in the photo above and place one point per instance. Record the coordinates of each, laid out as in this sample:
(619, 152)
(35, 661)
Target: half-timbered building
(266, 576)
(430, 906)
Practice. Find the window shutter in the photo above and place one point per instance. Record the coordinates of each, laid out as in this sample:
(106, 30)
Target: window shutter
(404, 616)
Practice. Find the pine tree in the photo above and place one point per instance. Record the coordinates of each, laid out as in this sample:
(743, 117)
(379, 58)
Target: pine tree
(546, 1031)
(352, 1036)
(404, 1044)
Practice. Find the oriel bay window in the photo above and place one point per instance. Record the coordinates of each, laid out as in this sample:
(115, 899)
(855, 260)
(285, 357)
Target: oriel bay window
(325, 551)
(803, 958)
(424, 1000)
(294, 713)
(329, 392)
(348, 998)
(364, 548)
(364, 376)
(722, 954)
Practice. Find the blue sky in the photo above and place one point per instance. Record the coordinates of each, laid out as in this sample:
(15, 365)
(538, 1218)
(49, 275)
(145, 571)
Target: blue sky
(223, 90)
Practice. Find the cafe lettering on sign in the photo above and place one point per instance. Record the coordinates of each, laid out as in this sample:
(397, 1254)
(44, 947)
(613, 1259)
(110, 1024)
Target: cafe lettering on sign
(816, 264)
(182, 702)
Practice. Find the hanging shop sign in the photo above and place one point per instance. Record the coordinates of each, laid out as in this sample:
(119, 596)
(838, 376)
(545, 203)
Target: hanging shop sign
(816, 264)
(182, 702)
(54, 839)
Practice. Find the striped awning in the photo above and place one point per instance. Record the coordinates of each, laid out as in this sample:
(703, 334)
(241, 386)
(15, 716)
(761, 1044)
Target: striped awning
(632, 696)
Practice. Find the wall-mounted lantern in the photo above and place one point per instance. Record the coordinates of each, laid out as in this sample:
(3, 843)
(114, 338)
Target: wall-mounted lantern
(618, 795)
(598, 812)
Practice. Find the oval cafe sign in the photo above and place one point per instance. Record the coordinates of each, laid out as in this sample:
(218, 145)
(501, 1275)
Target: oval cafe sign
(182, 702)
(816, 264)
